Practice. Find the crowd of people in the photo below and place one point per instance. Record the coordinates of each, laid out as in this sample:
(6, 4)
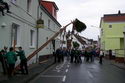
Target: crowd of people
(75, 54)
(9, 58)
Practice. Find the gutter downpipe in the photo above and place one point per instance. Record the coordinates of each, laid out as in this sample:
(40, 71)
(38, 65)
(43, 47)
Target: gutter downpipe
(124, 44)
(37, 31)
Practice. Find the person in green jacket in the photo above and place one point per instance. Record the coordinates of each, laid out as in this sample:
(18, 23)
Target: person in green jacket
(23, 61)
(11, 60)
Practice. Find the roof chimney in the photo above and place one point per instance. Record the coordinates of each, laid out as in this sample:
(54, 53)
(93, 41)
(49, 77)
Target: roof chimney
(119, 12)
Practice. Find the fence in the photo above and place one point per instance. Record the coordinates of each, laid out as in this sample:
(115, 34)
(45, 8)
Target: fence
(119, 52)
(120, 55)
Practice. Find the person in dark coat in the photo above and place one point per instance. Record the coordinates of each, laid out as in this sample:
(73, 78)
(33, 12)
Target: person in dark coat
(62, 53)
(77, 56)
(87, 53)
(72, 55)
(5, 50)
(110, 54)
(58, 54)
(55, 57)
(92, 55)
(3, 61)
(23, 61)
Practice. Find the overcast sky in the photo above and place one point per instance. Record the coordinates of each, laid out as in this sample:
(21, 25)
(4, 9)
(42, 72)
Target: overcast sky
(87, 11)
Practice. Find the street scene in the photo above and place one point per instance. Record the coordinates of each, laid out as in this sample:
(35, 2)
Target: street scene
(67, 41)
(67, 72)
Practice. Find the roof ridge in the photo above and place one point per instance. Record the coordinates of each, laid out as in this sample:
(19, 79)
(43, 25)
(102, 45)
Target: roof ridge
(122, 14)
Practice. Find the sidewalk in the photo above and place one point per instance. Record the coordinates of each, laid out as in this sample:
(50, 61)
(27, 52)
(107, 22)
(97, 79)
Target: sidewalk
(112, 62)
(34, 70)
(119, 65)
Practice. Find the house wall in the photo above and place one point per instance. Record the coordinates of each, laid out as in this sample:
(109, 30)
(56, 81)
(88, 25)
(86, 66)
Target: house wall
(112, 43)
(47, 33)
(116, 30)
(112, 38)
(27, 21)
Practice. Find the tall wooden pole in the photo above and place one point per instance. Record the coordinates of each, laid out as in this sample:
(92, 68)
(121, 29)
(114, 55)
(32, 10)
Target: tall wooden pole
(46, 43)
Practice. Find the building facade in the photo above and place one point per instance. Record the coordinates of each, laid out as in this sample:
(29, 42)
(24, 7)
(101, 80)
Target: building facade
(19, 27)
(112, 27)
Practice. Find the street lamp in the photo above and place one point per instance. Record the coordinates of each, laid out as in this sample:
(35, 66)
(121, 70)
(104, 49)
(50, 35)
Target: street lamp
(124, 44)
(3, 25)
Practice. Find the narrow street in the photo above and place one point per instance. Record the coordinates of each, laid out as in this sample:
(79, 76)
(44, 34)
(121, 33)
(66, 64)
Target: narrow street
(84, 72)
(39, 37)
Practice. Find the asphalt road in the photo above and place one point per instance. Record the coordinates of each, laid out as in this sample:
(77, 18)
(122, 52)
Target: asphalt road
(94, 72)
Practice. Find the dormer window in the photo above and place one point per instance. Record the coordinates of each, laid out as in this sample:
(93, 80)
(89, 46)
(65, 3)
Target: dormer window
(51, 7)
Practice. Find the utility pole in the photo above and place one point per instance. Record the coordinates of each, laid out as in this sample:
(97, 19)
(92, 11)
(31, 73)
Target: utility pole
(124, 44)
(37, 31)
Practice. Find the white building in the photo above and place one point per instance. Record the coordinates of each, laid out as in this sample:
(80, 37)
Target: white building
(20, 26)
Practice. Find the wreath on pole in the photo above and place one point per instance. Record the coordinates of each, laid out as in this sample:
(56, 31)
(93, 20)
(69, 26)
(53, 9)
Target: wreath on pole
(78, 26)
(75, 44)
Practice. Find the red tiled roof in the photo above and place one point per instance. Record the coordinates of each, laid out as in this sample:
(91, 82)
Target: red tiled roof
(114, 18)
(54, 4)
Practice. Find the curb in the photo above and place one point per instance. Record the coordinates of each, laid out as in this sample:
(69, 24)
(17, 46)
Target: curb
(116, 64)
(33, 72)
(119, 66)
(32, 77)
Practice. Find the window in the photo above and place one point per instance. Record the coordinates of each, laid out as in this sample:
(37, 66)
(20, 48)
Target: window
(53, 44)
(28, 5)
(32, 38)
(110, 26)
(46, 41)
(48, 23)
(41, 14)
(15, 34)
(54, 26)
